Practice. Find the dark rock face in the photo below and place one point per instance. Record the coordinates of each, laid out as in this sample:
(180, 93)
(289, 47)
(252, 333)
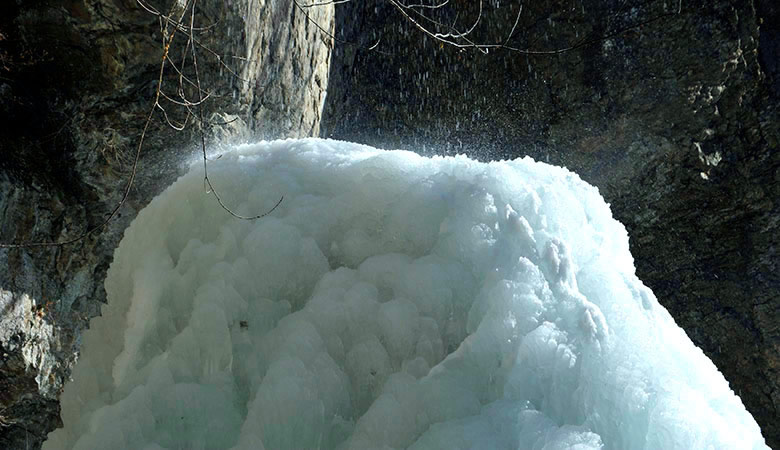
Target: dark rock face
(671, 110)
(77, 79)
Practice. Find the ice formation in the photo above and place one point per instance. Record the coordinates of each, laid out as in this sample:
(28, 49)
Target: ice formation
(391, 301)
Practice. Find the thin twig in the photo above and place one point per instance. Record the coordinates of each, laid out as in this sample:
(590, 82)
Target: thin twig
(206, 179)
(333, 2)
(452, 38)
(517, 20)
(440, 5)
(372, 47)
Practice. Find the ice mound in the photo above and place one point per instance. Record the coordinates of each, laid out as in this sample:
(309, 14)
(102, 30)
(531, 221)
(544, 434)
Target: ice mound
(391, 301)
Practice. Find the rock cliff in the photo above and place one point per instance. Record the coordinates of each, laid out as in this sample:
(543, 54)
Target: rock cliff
(77, 80)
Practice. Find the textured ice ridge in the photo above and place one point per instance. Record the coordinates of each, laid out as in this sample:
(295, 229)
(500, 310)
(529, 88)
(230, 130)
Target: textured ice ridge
(391, 301)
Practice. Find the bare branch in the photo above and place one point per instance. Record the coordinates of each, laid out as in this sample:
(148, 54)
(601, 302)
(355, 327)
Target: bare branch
(333, 2)
(170, 123)
(334, 38)
(206, 179)
(456, 34)
(517, 20)
(167, 20)
(454, 37)
(220, 60)
(429, 6)
(437, 36)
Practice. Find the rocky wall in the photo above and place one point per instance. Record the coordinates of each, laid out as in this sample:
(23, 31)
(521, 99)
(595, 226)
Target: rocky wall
(77, 80)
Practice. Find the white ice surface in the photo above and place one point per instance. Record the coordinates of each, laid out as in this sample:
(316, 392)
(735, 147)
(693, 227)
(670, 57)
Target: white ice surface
(391, 301)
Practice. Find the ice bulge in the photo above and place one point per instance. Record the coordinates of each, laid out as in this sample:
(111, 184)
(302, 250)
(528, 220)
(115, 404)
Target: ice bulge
(390, 301)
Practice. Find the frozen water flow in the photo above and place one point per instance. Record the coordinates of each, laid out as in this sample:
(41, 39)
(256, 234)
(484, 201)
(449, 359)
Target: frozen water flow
(391, 301)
